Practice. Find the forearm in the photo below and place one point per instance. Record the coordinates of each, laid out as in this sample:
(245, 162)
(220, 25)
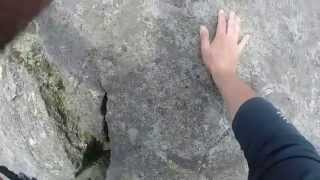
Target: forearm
(235, 92)
(270, 144)
(221, 56)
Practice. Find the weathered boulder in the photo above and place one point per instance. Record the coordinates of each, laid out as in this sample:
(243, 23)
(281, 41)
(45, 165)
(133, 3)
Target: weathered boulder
(53, 126)
(137, 62)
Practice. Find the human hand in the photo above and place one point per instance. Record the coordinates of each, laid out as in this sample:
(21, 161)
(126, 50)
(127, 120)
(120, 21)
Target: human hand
(221, 56)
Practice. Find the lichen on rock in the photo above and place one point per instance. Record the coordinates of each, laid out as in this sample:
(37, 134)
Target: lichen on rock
(82, 148)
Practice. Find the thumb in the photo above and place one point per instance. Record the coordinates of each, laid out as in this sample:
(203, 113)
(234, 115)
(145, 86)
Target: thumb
(204, 36)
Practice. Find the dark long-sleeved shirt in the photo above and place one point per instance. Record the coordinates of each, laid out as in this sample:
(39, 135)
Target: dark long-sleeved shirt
(274, 149)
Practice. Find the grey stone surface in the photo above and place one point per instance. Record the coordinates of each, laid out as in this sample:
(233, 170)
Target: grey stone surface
(166, 119)
(53, 126)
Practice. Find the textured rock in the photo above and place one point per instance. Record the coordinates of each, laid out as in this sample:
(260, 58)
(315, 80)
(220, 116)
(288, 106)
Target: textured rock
(46, 126)
(166, 119)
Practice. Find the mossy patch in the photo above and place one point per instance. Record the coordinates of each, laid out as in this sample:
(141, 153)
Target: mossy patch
(28, 52)
(83, 149)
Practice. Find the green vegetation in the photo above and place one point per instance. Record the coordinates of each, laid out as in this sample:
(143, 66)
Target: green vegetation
(28, 52)
(51, 85)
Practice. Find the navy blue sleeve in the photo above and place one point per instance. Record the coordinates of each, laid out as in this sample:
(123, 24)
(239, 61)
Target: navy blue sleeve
(273, 148)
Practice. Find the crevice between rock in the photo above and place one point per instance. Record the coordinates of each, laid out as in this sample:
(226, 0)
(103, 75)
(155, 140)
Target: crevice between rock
(97, 152)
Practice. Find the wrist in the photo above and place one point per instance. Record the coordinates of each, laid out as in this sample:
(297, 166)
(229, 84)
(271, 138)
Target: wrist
(223, 80)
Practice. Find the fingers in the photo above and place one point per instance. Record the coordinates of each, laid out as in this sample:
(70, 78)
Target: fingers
(237, 28)
(243, 42)
(204, 36)
(231, 23)
(222, 23)
(231, 28)
(234, 26)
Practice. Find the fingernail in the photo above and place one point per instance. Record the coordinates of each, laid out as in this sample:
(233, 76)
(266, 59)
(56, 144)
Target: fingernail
(221, 11)
(202, 28)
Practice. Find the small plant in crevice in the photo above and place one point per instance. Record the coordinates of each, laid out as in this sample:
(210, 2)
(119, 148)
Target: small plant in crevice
(96, 152)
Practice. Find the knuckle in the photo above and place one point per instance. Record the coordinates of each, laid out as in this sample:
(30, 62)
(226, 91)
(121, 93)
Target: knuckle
(205, 49)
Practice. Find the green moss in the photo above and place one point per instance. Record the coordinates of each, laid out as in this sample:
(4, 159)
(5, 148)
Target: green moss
(51, 85)
(172, 168)
(29, 54)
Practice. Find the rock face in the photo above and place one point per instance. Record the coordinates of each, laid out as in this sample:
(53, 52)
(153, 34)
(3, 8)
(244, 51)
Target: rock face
(92, 77)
